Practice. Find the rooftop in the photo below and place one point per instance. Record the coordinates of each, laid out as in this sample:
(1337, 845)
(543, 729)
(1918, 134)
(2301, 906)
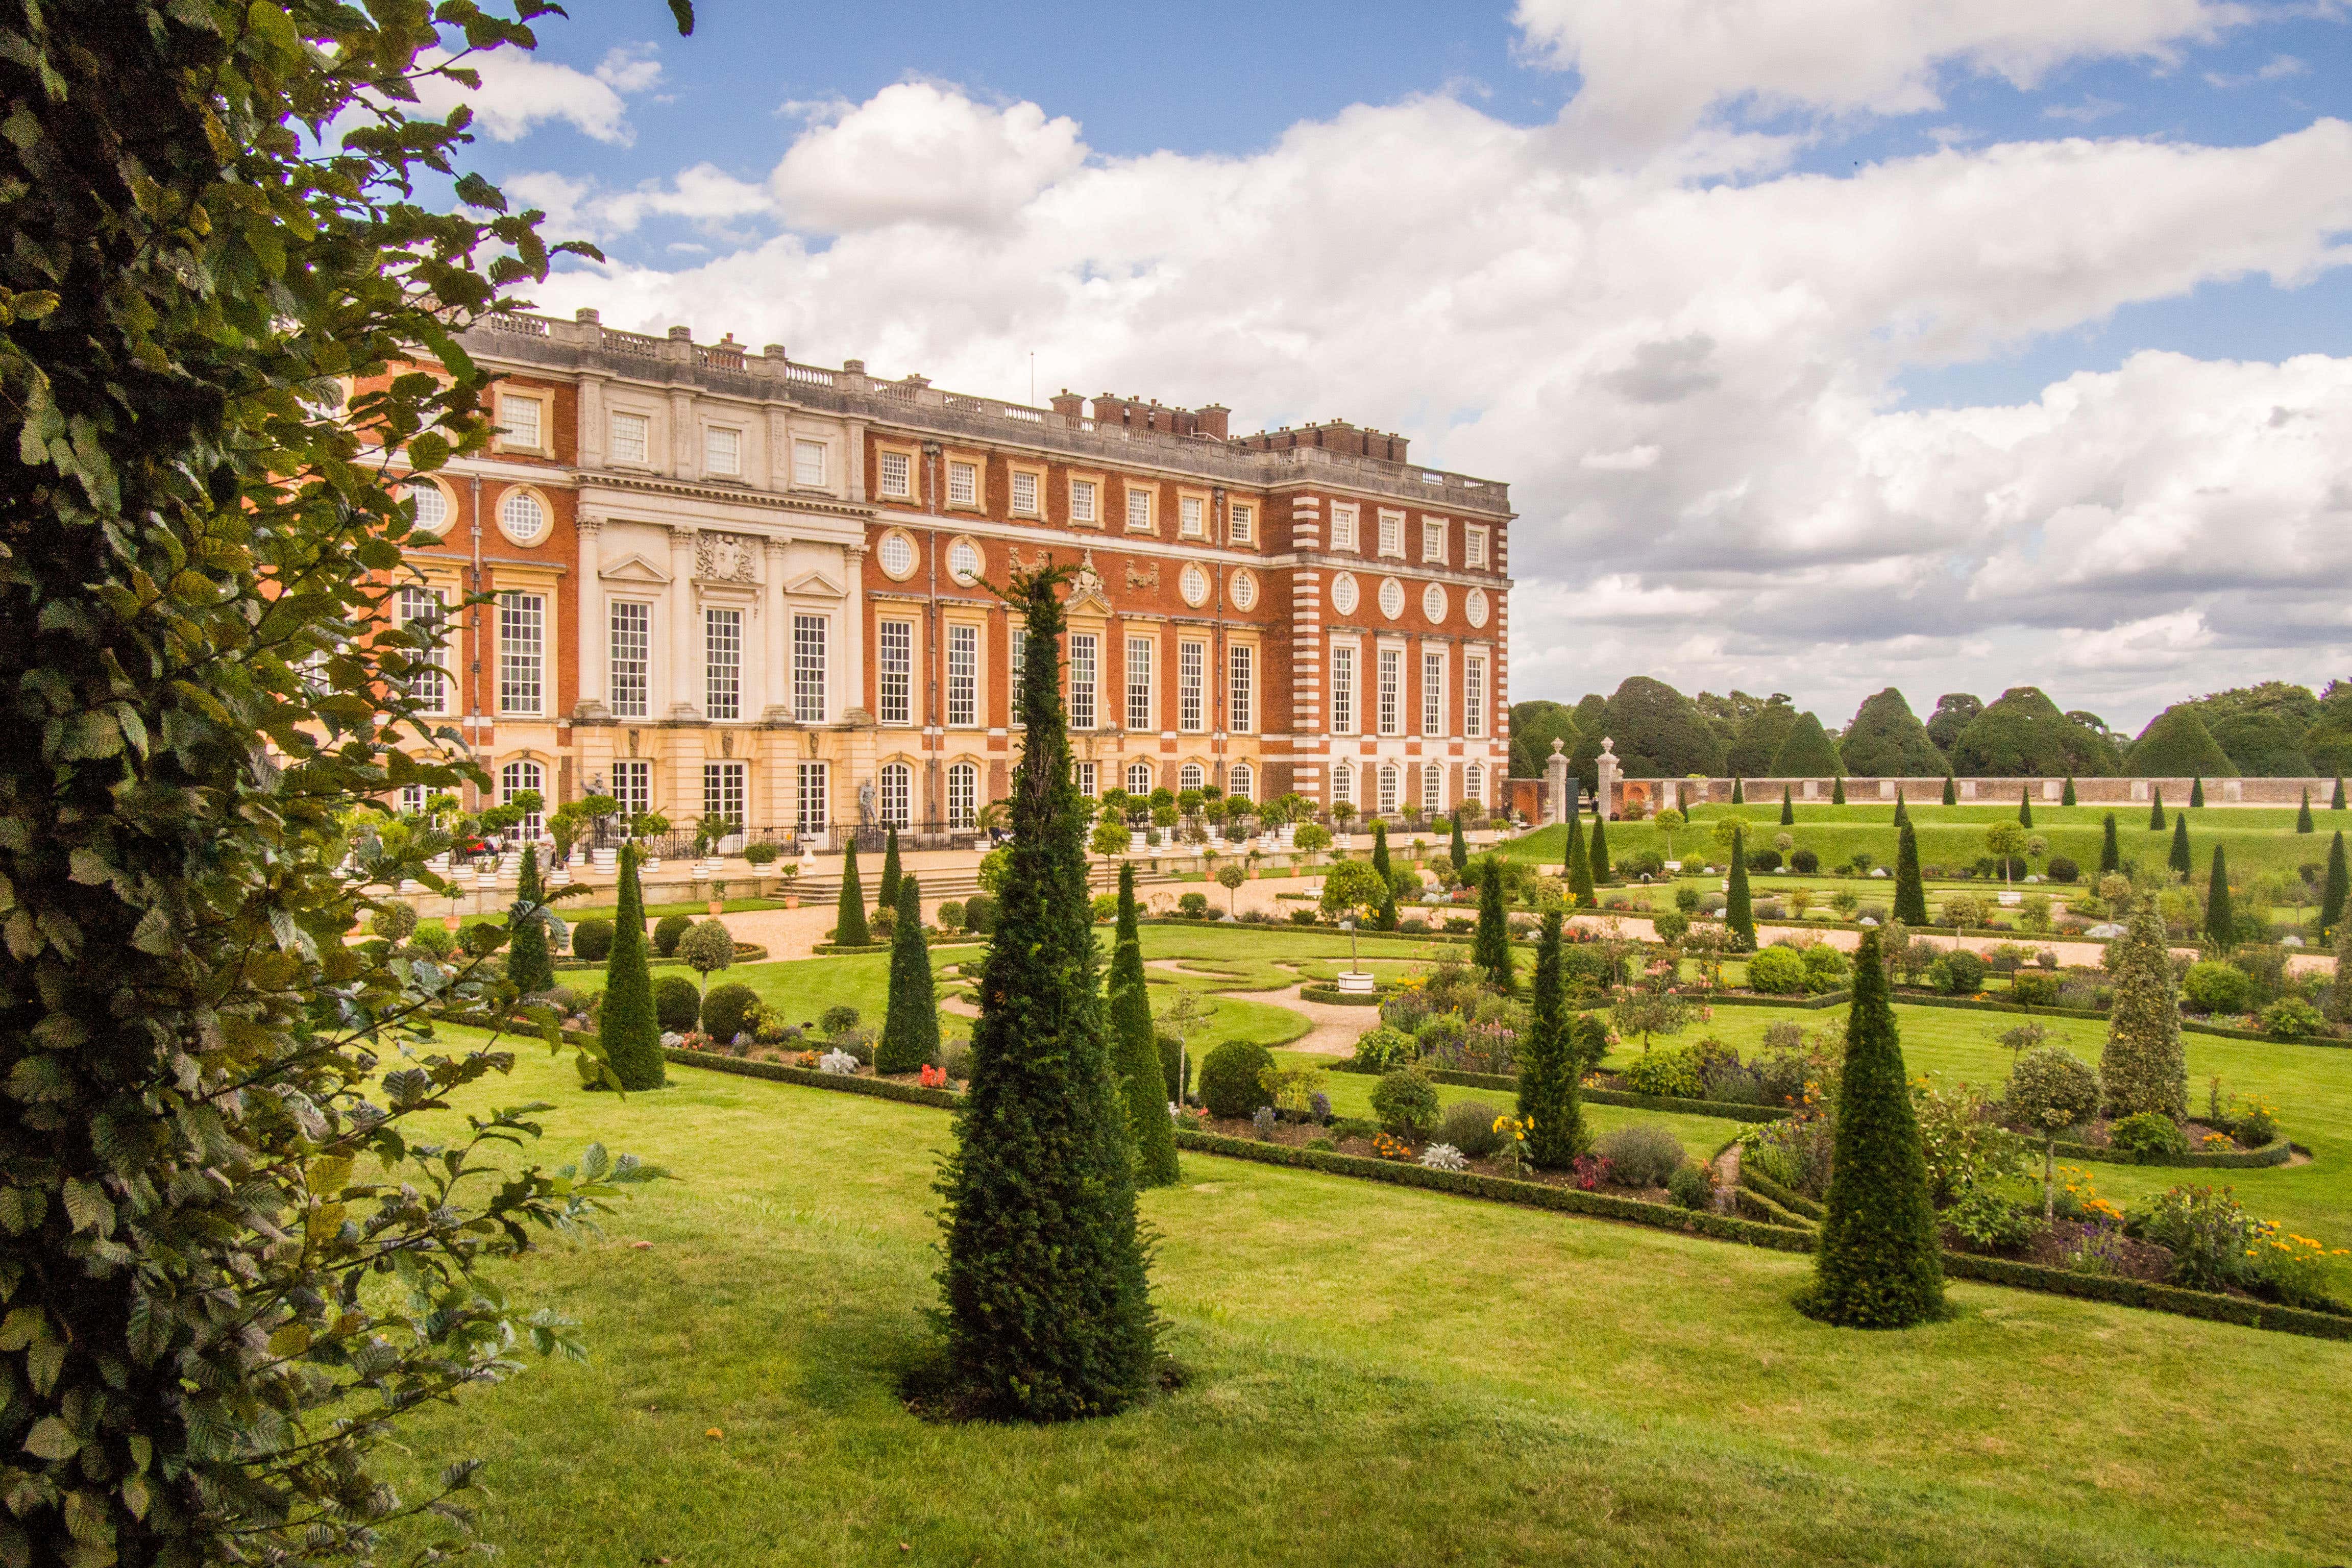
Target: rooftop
(1130, 431)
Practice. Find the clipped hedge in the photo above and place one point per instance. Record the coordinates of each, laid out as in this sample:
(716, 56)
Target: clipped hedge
(810, 1077)
(1755, 1206)
(1809, 1211)
(1908, 998)
(2277, 1152)
(1500, 1189)
(1509, 1083)
(1332, 996)
(1743, 999)
(2117, 1292)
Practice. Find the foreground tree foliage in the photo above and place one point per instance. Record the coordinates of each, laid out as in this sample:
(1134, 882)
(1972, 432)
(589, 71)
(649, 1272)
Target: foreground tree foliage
(1878, 1265)
(1048, 1313)
(227, 1274)
(2142, 1065)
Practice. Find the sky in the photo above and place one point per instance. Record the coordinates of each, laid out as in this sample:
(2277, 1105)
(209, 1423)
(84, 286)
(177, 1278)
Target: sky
(1825, 345)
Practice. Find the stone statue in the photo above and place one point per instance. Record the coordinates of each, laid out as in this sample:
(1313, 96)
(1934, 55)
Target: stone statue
(865, 801)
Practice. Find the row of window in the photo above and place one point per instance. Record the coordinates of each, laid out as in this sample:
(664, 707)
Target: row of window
(1388, 692)
(1384, 784)
(1346, 534)
(895, 481)
(629, 439)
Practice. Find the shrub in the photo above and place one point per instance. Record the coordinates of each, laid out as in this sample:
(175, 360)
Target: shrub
(980, 914)
(1764, 860)
(2257, 1123)
(435, 940)
(762, 854)
(1667, 1070)
(1806, 862)
(1672, 925)
(2062, 869)
(836, 1020)
(1384, 1047)
(592, 940)
(956, 1062)
(1405, 1102)
(1105, 906)
(668, 932)
(2146, 1133)
(1687, 899)
(2035, 990)
(1958, 972)
(883, 925)
(394, 922)
(1229, 1079)
(707, 947)
(1469, 1126)
(677, 1004)
(1193, 906)
(1826, 968)
(2213, 986)
(1642, 1155)
(1777, 970)
(952, 915)
(2206, 1231)
(728, 1010)
(1302, 917)
(1691, 1186)
(2291, 1017)
(1987, 1222)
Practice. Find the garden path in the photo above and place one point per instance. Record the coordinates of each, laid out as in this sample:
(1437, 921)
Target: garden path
(2081, 954)
(1335, 1026)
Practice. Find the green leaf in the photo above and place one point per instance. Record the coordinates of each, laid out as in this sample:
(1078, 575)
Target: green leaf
(51, 1438)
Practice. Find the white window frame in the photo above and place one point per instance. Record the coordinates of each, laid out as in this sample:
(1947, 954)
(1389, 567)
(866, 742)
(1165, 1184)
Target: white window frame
(1083, 775)
(1026, 480)
(810, 640)
(963, 674)
(894, 671)
(1343, 687)
(1474, 696)
(1343, 784)
(1474, 545)
(1138, 682)
(1085, 673)
(1388, 714)
(629, 439)
(722, 451)
(1016, 639)
(1392, 534)
(812, 811)
(430, 684)
(722, 662)
(963, 794)
(1343, 527)
(894, 795)
(1139, 779)
(1241, 527)
(808, 464)
(894, 475)
(728, 785)
(516, 777)
(629, 654)
(1392, 783)
(1433, 692)
(1241, 687)
(514, 439)
(522, 652)
(963, 484)
(1139, 509)
(1433, 541)
(1241, 782)
(1191, 775)
(1432, 787)
(1085, 502)
(1192, 687)
(1473, 785)
(633, 787)
(1192, 516)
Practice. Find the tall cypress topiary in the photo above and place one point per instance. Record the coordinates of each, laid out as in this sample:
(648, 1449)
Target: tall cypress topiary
(2336, 802)
(2197, 793)
(2066, 796)
(2142, 1065)
(910, 1030)
(1385, 917)
(1837, 790)
(2220, 924)
(1580, 868)
(1457, 850)
(2156, 808)
(849, 928)
(1739, 916)
(1738, 795)
(2302, 822)
(1877, 1266)
(2339, 992)
(1951, 791)
(885, 895)
(2111, 857)
(1143, 1079)
(1910, 892)
(1598, 854)
(1902, 812)
(1788, 808)
(528, 967)
(626, 1027)
(1550, 1100)
(1491, 950)
(2334, 891)
(2178, 860)
(1380, 849)
(2025, 808)
(1048, 1310)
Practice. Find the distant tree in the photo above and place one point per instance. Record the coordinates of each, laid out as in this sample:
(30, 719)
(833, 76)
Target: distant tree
(707, 947)
(2302, 822)
(2110, 853)
(1910, 893)
(1837, 790)
(530, 968)
(2336, 802)
(1886, 740)
(1902, 812)
(1136, 1049)
(1579, 865)
(1230, 877)
(1759, 738)
(910, 1025)
(2333, 894)
(1598, 854)
(1657, 732)
(1457, 848)
(2339, 992)
(1739, 792)
(849, 928)
(628, 1032)
(2179, 860)
(1951, 791)
(886, 892)
(2156, 808)
(1954, 710)
(1806, 751)
(2264, 745)
(2024, 734)
(1788, 808)
(2007, 841)
(2053, 1091)
(1534, 726)
(2024, 808)
(2067, 796)
(2176, 743)
(2197, 792)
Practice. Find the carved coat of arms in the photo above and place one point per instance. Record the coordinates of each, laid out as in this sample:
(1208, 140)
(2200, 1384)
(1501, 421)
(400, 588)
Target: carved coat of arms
(726, 557)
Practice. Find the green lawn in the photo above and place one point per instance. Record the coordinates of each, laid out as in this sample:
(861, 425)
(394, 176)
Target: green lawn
(1377, 1376)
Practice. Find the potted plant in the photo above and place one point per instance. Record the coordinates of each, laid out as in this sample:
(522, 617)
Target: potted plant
(718, 898)
(649, 824)
(792, 871)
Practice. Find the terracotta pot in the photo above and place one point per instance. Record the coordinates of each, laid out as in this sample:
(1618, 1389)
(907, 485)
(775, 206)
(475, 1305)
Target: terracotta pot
(451, 922)
(792, 901)
(716, 905)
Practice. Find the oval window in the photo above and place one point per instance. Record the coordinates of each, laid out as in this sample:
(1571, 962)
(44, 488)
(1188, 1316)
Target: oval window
(432, 507)
(964, 563)
(897, 556)
(522, 517)
(1433, 603)
(1392, 597)
(1344, 597)
(1244, 587)
(1194, 586)
(1473, 605)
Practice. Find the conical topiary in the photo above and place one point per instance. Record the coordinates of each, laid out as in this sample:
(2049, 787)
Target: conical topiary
(2066, 796)
(2197, 793)
(1878, 1265)
(2302, 822)
(1380, 849)
(529, 969)
(1739, 915)
(1910, 892)
(627, 1031)
(2156, 808)
(2111, 857)
(1738, 795)
(1902, 812)
(1598, 854)
(2221, 923)
(1806, 751)
(1048, 1310)
(850, 929)
(886, 892)
(1549, 1098)
(1951, 791)
(2178, 859)
(2336, 802)
(1491, 949)
(910, 1029)
(1580, 868)
(1457, 848)
(1788, 808)
(2142, 1065)
(2332, 893)
(2339, 993)
(1385, 917)
(1837, 790)
(2024, 808)
(1143, 1079)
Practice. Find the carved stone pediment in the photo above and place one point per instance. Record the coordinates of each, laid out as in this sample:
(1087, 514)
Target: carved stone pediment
(1087, 587)
(632, 569)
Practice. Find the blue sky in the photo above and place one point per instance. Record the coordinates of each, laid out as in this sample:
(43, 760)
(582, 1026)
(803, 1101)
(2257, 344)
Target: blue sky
(1972, 262)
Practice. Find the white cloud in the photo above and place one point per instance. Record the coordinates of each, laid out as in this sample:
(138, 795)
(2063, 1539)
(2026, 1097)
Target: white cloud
(1653, 69)
(2278, 68)
(1689, 381)
(520, 91)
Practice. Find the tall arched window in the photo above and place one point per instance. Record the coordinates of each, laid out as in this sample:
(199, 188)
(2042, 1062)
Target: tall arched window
(1191, 775)
(963, 794)
(1238, 781)
(897, 805)
(517, 777)
(1138, 778)
(1343, 784)
(1432, 787)
(1473, 784)
(1390, 783)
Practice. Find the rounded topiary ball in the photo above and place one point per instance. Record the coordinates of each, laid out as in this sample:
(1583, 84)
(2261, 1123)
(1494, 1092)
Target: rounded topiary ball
(728, 1010)
(677, 1004)
(668, 931)
(1229, 1079)
(592, 940)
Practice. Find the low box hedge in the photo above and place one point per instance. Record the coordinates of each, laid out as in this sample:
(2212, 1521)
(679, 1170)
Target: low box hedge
(1762, 999)
(1808, 1210)
(2141, 1293)
(2277, 1152)
(1755, 1206)
(1332, 996)
(810, 1077)
(1508, 1083)
(1907, 997)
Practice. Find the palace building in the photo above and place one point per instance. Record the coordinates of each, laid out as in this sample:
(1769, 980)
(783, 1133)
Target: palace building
(724, 583)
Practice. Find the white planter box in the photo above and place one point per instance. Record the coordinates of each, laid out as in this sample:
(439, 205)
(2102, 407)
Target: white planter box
(2013, 900)
(1355, 984)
